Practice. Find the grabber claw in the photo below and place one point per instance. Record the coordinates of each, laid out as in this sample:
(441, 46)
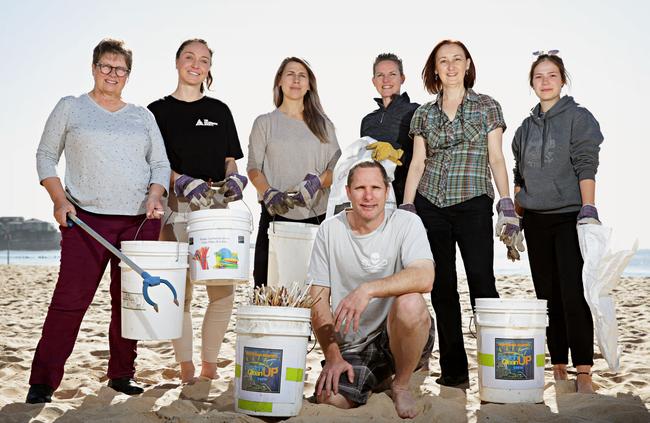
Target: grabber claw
(148, 281)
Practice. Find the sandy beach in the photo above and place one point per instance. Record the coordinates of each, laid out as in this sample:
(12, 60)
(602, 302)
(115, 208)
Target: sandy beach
(25, 293)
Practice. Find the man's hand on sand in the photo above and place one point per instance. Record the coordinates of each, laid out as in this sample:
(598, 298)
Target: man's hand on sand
(328, 381)
(350, 309)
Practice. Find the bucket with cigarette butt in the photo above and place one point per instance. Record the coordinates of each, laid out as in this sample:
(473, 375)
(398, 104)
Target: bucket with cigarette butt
(219, 245)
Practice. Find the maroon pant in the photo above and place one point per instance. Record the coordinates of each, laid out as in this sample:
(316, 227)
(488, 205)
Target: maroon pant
(83, 261)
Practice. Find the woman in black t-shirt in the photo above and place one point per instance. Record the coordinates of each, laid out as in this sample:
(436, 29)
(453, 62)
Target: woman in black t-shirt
(202, 146)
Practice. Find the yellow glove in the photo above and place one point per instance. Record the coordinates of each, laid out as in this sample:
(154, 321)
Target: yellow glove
(383, 150)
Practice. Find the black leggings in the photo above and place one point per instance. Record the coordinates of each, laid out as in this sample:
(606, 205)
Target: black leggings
(261, 264)
(468, 224)
(556, 267)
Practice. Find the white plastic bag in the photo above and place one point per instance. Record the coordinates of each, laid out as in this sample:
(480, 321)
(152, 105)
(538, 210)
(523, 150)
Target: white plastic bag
(600, 275)
(351, 155)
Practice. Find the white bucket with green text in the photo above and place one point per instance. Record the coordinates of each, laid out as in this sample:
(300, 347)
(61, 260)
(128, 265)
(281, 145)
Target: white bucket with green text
(511, 335)
(270, 359)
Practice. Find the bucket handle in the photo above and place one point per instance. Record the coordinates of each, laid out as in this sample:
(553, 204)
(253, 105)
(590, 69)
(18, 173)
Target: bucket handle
(250, 213)
(310, 209)
(472, 320)
(311, 331)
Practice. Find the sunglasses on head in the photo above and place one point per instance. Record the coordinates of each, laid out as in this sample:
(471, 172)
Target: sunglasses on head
(545, 53)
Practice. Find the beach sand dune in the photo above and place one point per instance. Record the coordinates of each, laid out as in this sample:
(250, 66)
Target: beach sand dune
(83, 396)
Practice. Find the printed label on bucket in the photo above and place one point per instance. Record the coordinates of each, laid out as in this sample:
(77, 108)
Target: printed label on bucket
(224, 258)
(261, 370)
(133, 301)
(514, 359)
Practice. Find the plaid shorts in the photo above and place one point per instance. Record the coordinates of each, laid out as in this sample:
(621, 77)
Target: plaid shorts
(374, 366)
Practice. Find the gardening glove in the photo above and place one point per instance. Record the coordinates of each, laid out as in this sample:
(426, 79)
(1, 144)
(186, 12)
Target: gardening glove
(196, 191)
(384, 150)
(232, 187)
(409, 207)
(306, 190)
(507, 226)
(588, 215)
(276, 202)
(516, 246)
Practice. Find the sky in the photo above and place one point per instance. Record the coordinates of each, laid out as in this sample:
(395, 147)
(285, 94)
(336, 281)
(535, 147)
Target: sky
(48, 51)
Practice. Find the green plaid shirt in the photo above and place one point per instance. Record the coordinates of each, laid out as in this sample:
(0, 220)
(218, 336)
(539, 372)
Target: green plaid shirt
(456, 165)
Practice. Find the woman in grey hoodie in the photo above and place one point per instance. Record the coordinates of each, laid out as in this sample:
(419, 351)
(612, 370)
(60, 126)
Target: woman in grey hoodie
(556, 159)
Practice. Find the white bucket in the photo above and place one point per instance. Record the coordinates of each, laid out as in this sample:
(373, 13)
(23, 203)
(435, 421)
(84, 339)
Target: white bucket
(270, 359)
(290, 245)
(165, 259)
(511, 344)
(219, 246)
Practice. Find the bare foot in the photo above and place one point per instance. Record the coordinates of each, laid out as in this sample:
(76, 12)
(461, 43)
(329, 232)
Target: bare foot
(187, 372)
(405, 404)
(209, 370)
(559, 372)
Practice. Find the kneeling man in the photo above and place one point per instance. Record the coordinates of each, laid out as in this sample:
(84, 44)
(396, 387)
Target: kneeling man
(374, 264)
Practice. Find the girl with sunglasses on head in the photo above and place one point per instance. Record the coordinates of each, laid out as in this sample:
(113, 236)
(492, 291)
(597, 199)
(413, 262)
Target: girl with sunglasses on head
(202, 145)
(292, 152)
(556, 159)
(456, 152)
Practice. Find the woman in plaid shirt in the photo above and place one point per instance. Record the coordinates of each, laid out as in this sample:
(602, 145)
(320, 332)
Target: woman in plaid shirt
(456, 148)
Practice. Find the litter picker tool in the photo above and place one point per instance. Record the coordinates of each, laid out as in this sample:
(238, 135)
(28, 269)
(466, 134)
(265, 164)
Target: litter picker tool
(147, 280)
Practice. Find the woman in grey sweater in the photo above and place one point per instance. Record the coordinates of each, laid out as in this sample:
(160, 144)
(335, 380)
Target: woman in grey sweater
(291, 150)
(116, 173)
(556, 158)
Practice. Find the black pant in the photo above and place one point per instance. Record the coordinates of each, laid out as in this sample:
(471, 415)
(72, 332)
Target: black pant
(556, 267)
(468, 224)
(261, 264)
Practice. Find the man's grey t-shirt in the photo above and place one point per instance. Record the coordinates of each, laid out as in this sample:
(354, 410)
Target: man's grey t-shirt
(342, 260)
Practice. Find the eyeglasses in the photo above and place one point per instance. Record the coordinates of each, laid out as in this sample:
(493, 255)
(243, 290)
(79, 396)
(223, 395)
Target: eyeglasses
(545, 53)
(107, 69)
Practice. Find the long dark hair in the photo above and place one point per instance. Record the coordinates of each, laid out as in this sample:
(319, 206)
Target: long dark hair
(208, 80)
(432, 82)
(314, 115)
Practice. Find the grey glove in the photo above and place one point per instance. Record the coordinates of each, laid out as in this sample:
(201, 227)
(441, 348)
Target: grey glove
(276, 201)
(194, 190)
(507, 226)
(307, 190)
(515, 246)
(588, 215)
(232, 187)
(409, 207)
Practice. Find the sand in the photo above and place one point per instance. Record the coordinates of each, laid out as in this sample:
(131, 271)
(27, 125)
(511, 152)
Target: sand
(83, 395)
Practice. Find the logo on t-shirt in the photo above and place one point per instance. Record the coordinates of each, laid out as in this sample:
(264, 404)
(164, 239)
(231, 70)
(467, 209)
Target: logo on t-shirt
(374, 264)
(205, 122)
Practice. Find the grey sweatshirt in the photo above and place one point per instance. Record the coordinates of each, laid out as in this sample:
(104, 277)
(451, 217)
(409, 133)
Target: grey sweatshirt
(111, 157)
(553, 152)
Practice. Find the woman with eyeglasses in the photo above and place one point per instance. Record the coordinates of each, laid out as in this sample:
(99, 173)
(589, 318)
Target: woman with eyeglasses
(556, 159)
(292, 152)
(202, 145)
(456, 149)
(116, 173)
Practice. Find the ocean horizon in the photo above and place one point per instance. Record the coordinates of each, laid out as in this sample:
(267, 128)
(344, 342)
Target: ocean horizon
(639, 266)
